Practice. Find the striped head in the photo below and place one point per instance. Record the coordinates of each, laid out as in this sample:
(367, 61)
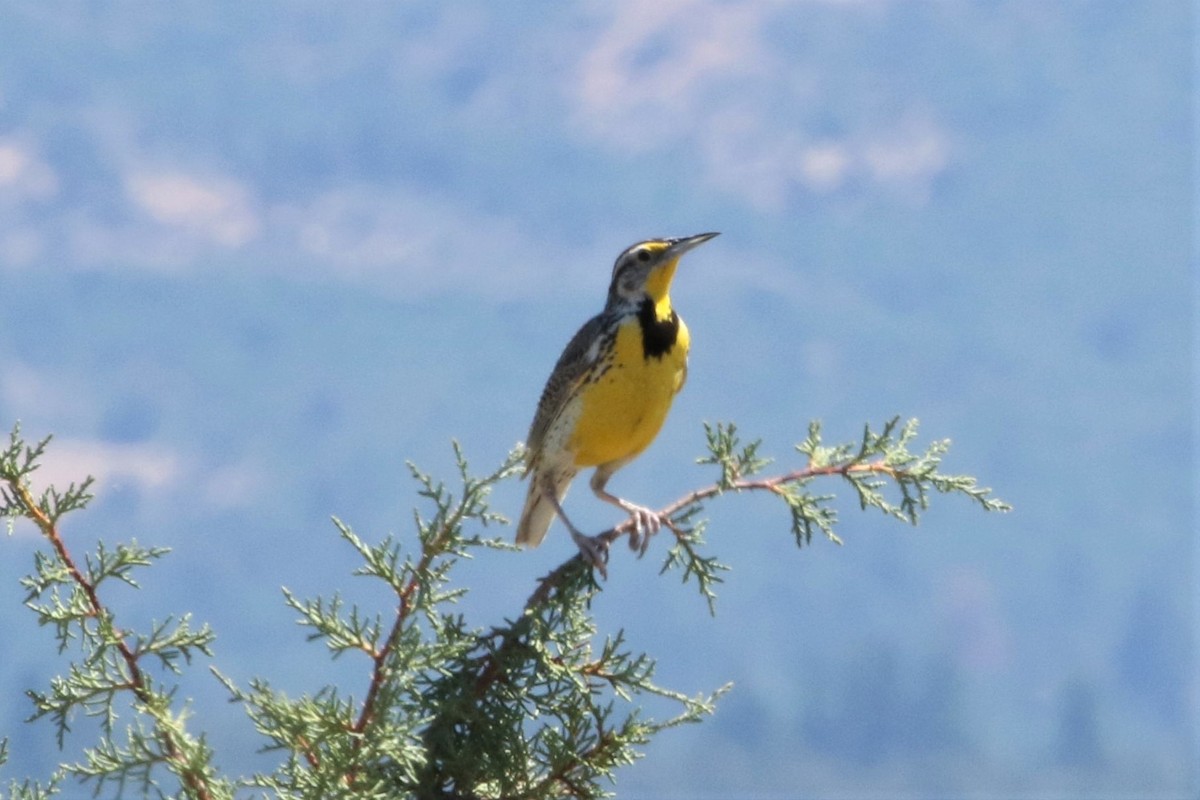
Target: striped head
(646, 269)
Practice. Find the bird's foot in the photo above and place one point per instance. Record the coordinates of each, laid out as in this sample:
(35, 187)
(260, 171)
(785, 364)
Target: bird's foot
(646, 523)
(594, 550)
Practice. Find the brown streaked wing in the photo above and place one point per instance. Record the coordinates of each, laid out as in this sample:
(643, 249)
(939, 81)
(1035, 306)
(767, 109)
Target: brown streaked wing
(564, 381)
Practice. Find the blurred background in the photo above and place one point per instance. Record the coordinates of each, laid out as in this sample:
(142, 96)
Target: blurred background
(254, 256)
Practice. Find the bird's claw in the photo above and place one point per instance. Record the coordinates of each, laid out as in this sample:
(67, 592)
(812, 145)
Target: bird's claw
(594, 550)
(646, 523)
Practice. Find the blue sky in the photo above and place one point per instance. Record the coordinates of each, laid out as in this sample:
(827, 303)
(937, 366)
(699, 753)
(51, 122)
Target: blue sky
(256, 255)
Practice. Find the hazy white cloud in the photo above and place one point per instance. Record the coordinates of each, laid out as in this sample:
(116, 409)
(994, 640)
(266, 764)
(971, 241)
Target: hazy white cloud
(60, 396)
(91, 241)
(154, 467)
(173, 220)
(824, 165)
(235, 485)
(909, 156)
(710, 77)
(707, 79)
(145, 465)
(765, 164)
(402, 240)
(54, 394)
(176, 220)
(27, 183)
(650, 71)
(746, 158)
(23, 174)
(218, 209)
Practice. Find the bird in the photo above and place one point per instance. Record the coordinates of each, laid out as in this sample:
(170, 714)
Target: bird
(608, 396)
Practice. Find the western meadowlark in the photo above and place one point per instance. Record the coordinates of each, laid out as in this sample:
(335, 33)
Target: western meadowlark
(609, 394)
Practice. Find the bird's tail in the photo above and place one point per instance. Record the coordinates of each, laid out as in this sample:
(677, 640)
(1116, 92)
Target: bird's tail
(539, 511)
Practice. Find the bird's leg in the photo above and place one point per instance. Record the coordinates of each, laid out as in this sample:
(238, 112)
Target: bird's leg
(646, 521)
(594, 550)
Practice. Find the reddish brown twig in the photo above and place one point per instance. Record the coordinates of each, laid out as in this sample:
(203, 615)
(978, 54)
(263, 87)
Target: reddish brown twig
(194, 780)
(773, 485)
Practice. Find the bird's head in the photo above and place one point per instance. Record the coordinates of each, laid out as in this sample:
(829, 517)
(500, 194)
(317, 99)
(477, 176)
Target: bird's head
(646, 269)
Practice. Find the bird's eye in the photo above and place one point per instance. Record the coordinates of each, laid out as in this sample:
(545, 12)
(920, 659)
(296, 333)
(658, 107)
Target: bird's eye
(643, 255)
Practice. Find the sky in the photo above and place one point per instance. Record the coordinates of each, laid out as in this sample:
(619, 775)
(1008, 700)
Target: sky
(256, 256)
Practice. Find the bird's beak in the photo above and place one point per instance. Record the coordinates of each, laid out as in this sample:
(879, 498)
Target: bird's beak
(678, 247)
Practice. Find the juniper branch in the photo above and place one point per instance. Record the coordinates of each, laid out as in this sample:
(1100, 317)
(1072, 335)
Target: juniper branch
(527, 708)
(878, 458)
(102, 677)
(880, 454)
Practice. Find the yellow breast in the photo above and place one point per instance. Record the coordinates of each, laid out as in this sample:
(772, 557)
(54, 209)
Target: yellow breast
(626, 401)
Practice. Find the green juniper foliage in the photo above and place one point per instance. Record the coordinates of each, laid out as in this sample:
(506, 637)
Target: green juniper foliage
(869, 466)
(112, 674)
(536, 705)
